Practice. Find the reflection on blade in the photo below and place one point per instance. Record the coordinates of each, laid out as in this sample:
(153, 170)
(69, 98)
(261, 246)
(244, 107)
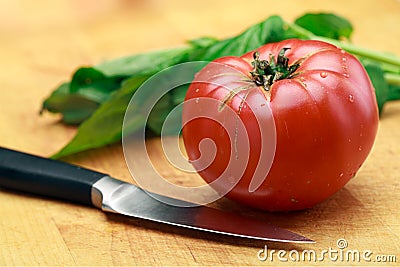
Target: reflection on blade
(130, 200)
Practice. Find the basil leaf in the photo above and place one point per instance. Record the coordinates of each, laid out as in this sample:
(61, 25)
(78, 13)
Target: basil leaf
(394, 92)
(270, 30)
(77, 100)
(74, 107)
(326, 25)
(85, 76)
(202, 42)
(96, 84)
(145, 63)
(104, 126)
(377, 77)
(93, 84)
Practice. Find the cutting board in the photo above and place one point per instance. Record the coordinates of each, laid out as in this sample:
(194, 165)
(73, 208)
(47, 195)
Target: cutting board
(43, 42)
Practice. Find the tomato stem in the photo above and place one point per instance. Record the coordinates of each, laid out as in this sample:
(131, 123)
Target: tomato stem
(392, 78)
(265, 72)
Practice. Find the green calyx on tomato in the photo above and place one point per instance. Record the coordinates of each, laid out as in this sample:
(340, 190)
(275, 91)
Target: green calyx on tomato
(265, 72)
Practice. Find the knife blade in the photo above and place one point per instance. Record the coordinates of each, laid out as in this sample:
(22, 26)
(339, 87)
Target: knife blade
(47, 177)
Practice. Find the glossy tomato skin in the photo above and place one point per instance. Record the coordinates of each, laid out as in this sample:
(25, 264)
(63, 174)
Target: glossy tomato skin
(324, 117)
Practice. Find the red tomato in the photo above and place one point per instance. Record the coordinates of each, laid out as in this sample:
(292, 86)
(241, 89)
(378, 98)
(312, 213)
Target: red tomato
(311, 106)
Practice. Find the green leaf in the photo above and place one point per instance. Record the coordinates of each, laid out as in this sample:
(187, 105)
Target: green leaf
(394, 92)
(163, 108)
(144, 63)
(174, 82)
(202, 42)
(326, 25)
(85, 76)
(270, 30)
(93, 84)
(96, 84)
(74, 107)
(77, 100)
(377, 76)
(105, 125)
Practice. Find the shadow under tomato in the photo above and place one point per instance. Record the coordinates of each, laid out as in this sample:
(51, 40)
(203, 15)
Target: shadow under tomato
(325, 217)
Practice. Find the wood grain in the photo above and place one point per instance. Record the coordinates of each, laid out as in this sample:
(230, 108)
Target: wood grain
(42, 42)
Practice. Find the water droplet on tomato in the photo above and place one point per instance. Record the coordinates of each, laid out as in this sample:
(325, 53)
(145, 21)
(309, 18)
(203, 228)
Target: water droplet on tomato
(351, 98)
(346, 75)
(359, 148)
(197, 100)
(197, 90)
(342, 51)
(341, 174)
(344, 59)
(323, 74)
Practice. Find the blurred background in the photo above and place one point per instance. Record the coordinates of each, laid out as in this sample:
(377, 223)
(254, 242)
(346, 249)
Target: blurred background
(67, 33)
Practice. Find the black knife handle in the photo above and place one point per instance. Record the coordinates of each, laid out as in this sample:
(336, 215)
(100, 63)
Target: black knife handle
(47, 177)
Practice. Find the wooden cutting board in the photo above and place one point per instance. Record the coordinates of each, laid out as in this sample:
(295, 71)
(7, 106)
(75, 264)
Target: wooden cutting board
(42, 42)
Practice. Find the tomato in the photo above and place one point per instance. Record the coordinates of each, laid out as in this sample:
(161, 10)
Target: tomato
(309, 119)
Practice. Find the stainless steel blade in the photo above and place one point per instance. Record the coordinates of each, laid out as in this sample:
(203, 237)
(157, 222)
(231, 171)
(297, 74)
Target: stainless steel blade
(116, 196)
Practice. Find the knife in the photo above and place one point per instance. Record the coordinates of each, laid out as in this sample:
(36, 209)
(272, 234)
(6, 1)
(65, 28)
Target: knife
(47, 177)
